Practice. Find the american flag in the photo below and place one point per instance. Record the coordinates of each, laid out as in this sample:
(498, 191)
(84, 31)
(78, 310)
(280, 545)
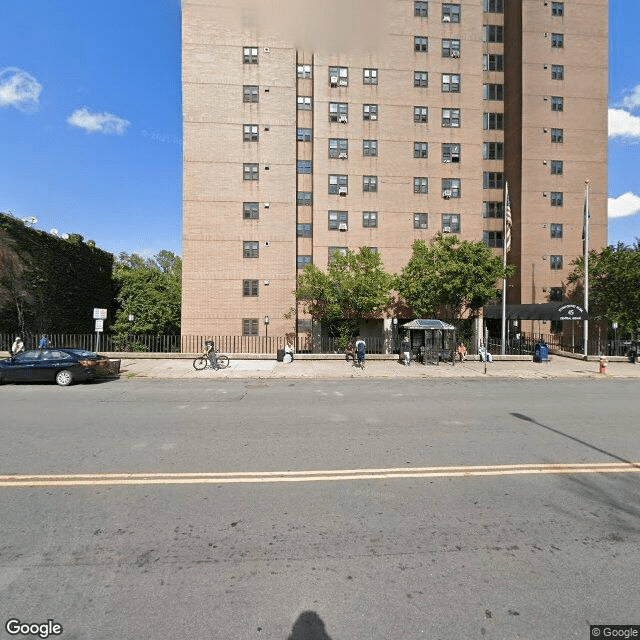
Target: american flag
(507, 219)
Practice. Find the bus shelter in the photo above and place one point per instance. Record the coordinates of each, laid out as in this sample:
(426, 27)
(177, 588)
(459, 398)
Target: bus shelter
(432, 339)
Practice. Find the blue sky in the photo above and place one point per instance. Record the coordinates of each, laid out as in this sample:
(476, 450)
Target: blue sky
(90, 120)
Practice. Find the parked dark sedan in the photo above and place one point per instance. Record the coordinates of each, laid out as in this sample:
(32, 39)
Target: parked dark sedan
(61, 365)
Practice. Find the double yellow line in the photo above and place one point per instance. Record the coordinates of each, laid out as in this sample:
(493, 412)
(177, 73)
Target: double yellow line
(94, 479)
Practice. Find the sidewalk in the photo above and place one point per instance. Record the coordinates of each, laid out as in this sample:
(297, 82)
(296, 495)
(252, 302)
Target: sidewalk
(328, 369)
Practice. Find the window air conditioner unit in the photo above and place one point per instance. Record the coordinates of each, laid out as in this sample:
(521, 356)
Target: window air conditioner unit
(446, 193)
(342, 119)
(455, 53)
(342, 191)
(446, 18)
(446, 160)
(342, 226)
(342, 156)
(333, 81)
(267, 205)
(373, 116)
(446, 229)
(343, 82)
(267, 283)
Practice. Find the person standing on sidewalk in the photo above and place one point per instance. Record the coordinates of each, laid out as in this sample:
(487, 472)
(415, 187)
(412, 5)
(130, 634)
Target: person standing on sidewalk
(405, 347)
(361, 350)
(17, 346)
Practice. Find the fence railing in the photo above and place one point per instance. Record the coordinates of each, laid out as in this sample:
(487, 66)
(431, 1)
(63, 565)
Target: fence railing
(560, 342)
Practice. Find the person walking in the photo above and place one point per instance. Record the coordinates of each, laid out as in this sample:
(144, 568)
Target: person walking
(17, 346)
(361, 350)
(405, 347)
(44, 343)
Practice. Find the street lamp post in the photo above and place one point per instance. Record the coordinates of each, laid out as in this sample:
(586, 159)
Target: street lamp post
(266, 330)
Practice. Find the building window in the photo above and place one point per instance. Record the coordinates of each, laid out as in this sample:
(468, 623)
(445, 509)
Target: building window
(421, 185)
(250, 55)
(304, 71)
(493, 62)
(420, 149)
(557, 72)
(303, 166)
(492, 180)
(302, 261)
(338, 220)
(250, 326)
(492, 209)
(450, 12)
(557, 40)
(420, 79)
(493, 33)
(340, 250)
(557, 9)
(493, 151)
(451, 188)
(305, 103)
(304, 134)
(493, 121)
(451, 223)
(338, 111)
(450, 83)
(250, 288)
(420, 220)
(304, 198)
(338, 148)
(555, 230)
(304, 230)
(420, 114)
(451, 117)
(450, 152)
(250, 171)
(369, 147)
(556, 198)
(420, 9)
(555, 294)
(370, 219)
(250, 249)
(557, 167)
(493, 6)
(557, 135)
(557, 103)
(492, 239)
(250, 210)
(250, 93)
(369, 111)
(420, 43)
(369, 183)
(250, 133)
(338, 76)
(338, 185)
(369, 76)
(450, 48)
(493, 91)
(555, 262)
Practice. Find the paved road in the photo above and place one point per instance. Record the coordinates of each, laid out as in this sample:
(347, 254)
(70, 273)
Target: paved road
(442, 552)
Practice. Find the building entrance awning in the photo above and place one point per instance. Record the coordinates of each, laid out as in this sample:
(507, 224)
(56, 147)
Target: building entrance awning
(546, 311)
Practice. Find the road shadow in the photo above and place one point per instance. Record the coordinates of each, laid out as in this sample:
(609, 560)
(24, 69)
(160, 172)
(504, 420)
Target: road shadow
(308, 626)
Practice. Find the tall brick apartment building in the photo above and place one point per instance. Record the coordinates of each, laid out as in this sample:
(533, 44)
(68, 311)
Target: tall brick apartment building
(345, 124)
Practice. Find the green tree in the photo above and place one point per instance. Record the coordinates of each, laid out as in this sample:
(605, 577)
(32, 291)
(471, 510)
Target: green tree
(460, 276)
(149, 289)
(354, 286)
(614, 294)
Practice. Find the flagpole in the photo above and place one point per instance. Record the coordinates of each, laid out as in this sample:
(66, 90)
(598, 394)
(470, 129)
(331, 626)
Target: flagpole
(585, 324)
(506, 245)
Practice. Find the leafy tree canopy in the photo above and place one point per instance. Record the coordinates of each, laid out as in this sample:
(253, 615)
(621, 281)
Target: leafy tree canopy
(614, 292)
(448, 273)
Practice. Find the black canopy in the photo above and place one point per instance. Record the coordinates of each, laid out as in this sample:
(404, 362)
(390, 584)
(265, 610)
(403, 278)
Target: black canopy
(546, 311)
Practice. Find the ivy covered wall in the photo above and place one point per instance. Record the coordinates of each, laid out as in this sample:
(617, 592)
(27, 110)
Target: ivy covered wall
(49, 284)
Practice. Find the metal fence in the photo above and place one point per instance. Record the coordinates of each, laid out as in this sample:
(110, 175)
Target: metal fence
(560, 342)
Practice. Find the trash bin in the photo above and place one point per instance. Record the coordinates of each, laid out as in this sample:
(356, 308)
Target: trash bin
(541, 352)
(280, 355)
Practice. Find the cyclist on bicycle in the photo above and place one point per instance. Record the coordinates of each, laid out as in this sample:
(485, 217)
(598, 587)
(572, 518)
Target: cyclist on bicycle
(212, 354)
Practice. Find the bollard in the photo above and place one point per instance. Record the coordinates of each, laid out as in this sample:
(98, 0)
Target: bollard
(603, 365)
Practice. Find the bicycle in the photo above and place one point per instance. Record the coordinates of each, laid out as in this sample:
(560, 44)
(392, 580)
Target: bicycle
(220, 361)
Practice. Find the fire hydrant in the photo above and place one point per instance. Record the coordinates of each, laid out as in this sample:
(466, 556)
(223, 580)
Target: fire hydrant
(603, 365)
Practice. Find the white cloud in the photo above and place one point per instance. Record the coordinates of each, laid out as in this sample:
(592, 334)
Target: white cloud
(632, 100)
(19, 89)
(628, 204)
(623, 124)
(97, 122)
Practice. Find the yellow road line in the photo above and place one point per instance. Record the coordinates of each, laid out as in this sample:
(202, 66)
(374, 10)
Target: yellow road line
(94, 479)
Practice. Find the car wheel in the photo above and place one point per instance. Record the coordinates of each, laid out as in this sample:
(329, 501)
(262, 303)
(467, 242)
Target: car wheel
(64, 378)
